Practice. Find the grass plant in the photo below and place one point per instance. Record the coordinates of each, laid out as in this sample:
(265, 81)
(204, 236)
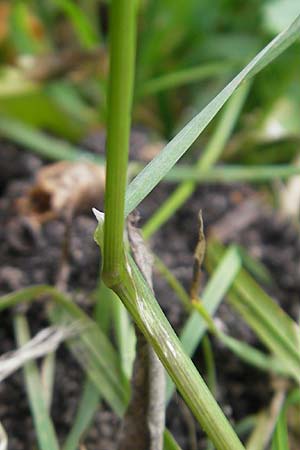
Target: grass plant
(123, 295)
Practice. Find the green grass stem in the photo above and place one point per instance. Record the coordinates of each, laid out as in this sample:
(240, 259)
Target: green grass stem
(122, 54)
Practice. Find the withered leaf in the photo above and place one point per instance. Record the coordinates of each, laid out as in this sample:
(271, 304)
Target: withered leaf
(198, 260)
(63, 189)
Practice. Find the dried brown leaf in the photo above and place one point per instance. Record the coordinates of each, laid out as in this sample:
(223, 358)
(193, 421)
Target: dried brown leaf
(198, 260)
(55, 65)
(62, 189)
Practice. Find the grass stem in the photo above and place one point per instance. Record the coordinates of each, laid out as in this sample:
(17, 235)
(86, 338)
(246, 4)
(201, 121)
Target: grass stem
(122, 51)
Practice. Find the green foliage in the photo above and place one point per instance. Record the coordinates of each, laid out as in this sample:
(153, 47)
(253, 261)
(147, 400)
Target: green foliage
(43, 424)
(187, 51)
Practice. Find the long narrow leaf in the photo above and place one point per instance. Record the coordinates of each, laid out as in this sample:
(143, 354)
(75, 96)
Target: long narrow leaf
(88, 404)
(43, 424)
(55, 149)
(82, 419)
(90, 397)
(183, 77)
(274, 327)
(40, 143)
(96, 350)
(145, 182)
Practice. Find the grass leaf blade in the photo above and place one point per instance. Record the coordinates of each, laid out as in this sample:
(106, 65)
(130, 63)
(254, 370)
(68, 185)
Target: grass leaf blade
(43, 424)
(145, 182)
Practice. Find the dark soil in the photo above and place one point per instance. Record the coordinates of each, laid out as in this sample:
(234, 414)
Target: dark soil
(31, 256)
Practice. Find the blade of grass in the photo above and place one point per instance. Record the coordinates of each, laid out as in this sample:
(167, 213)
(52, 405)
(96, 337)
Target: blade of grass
(90, 398)
(144, 183)
(89, 403)
(244, 351)
(253, 174)
(31, 293)
(255, 267)
(70, 101)
(210, 155)
(254, 357)
(266, 422)
(124, 333)
(209, 359)
(175, 285)
(226, 173)
(40, 143)
(280, 439)
(43, 424)
(169, 441)
(20, 33)
(103, 363)
(182, 77)
(47, 378)
(85, 32)
(56, 149)
(274, 327)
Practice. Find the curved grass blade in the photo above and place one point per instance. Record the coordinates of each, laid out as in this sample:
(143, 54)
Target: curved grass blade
(145, 182)
(271, 324)
(31, 293)
(102, 362)
(43, 424)
(82, 26)
(266, 421)
(280, 437)
(208, 157)
(89, 402)
(55, 149)
(42, 144)
(182, 77)
(90, 397)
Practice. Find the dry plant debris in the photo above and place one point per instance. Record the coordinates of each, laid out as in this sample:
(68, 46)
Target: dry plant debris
(3, 438)
(46, 341)
(63, 189)
(198, 260)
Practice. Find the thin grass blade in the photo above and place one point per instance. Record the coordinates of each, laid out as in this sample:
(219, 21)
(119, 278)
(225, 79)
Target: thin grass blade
(274, 327)
(145, 182)
(97, 354)
(169, 441)
(85, 32)
(89, 403)
(43, 424)
(90, 397)
(182, 77)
